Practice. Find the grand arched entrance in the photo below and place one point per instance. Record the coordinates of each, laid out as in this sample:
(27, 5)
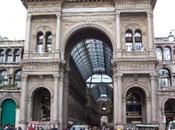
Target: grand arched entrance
(89, 54)
(169, 110)
(8, 114)
(41, 105)
(135, 106)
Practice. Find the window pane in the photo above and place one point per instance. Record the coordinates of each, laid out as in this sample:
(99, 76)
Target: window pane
(167, 53)
(159, 53)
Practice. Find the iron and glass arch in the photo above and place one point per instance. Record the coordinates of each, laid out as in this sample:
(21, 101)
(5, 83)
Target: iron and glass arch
(92, 56)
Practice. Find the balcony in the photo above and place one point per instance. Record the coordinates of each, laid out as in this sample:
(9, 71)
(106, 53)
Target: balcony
(143, 55)
(166, 88)
(9, 87)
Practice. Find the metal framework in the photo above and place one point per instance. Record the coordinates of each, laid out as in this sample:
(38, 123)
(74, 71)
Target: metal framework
(93, 57)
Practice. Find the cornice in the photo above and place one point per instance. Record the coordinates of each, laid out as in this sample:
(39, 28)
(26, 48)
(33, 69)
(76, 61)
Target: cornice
(26, 2)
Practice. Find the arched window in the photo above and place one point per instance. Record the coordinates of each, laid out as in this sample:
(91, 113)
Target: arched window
(129, 40)
(17, 56)
(17, 79)
(22, 52)
(4, 78)
(159, 53)
(167, 54)
(40, 38)
(48, 45)
(164, 78)
(138, 46)
(2, 56)
(9, 56)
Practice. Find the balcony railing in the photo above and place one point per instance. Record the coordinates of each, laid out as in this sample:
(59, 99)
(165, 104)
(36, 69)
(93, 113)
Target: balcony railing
(10, 87)
(167, 88)
(36, 55)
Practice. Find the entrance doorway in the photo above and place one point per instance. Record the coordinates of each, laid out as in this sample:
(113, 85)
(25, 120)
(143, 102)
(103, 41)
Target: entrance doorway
(169, 110)
(8, 112)
(135, 106)
(41, 105)
(89, 54)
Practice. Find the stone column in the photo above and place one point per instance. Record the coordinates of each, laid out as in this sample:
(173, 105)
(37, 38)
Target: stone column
(117, 24)
(117, 101)
(65, 97)
(55, 99)
(153, 98)
(150, 30)
(124, 110)
(58, 33)
(17, 117)
(60, 110)
(23, 102)
(28, 32)
(29, 109)
(148, 110)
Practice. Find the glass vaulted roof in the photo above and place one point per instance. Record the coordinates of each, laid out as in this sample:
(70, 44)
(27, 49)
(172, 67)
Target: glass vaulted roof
(92, 56)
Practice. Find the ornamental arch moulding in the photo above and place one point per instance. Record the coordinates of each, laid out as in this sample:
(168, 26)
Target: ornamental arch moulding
(164, 67)
(43, 28)
(133, 26)
(35, 88)
(165, 100)
(73, 29)
(137, 86)
(10, 98)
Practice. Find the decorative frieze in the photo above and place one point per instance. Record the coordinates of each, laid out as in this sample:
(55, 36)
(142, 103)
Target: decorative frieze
(41, 66)
(135, 65)
(133, 4)
(43, 9)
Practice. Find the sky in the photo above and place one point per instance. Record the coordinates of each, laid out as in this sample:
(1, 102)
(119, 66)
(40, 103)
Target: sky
(13, 19)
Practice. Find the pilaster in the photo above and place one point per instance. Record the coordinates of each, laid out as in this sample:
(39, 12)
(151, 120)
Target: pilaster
(58, 34)
(153, 97)
(150, 30)
(27, 36)
(148, 110)
(60, 109)
(118, 120)
(23, 102)
(118, 31)
(55, 99)
(65, 97)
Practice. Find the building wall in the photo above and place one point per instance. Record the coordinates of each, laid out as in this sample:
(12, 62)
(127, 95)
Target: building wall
(51, 70)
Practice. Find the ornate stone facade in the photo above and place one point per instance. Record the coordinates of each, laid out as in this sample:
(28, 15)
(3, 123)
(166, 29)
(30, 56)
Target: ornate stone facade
(51, 79)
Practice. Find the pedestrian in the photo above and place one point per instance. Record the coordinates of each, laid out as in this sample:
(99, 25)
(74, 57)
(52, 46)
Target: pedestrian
(54, 128)
(30, 127)
(19, 128)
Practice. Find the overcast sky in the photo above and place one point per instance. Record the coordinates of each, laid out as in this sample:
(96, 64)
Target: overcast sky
(13, 18)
